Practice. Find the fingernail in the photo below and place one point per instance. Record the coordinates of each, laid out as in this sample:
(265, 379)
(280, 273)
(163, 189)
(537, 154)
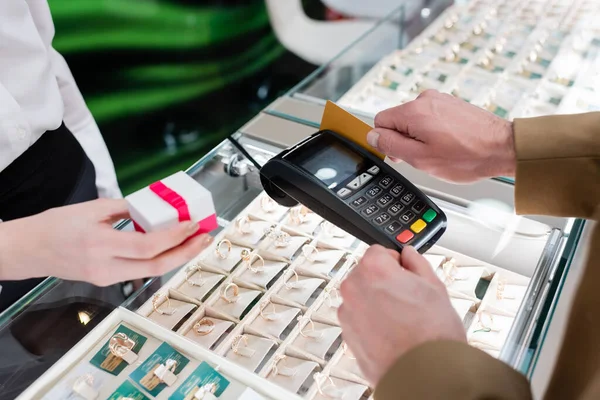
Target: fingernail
(373, 138)
(192, 227)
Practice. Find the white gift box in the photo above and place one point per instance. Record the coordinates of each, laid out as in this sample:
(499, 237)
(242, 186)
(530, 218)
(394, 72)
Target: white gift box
(172, 200)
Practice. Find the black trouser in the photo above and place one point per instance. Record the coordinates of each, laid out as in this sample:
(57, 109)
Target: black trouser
(54, 172)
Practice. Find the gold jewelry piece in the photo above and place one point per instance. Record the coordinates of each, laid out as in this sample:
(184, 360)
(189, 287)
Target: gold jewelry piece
(500, 294)
(282, 239)
(120, 344)
(333, 231)
(282, 370)
(156, 298)
(327, 390)
(244, 351)
(236, 293)
(347, 351)
(311, 333)
(310, 252)
(451, 272)
(204, 327)
(267, 204)
(330, 293)
(84, 387)
(293, 285)
(486, 321)
(242, 225)
(299, 215)
(248, 258)
(272, 316)
(218, 249)
(191, 270)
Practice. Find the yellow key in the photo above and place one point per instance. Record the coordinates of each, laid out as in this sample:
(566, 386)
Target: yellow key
(418, 226)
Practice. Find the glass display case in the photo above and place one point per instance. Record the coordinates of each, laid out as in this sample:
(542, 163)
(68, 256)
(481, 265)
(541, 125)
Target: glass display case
(249, 306)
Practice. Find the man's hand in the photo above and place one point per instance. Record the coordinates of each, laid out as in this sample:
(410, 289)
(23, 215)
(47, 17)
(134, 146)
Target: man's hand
(392, 304)
(446, 137)
(78, 243)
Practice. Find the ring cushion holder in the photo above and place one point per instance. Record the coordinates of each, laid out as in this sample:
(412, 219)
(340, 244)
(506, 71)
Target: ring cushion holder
(276, 214)
(172, 200)
(463, 307)
(277, 319)
(211, 339)
(198, 293)
(301, 292)
(256, 228)
(325, 261)
(341, 389)
(327, 310)
(236, 309)
(293, 373)
(210, 261)
(264, 275)
(287, 252)
(338, 238)
(505, 293)
(320, 340)
(308, 225)
(182, 310)
(252, 355)
(490, 337)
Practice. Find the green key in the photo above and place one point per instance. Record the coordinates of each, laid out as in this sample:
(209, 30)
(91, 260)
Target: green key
(429, 215)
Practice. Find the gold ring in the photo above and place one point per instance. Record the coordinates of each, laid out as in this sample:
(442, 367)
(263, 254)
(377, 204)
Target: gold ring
(347, 351)
(292, 285)
(236, 293)
(284, 371)
(330, 300)
(311, 333)
(320, 380)
(119, 344)
(268, 316)
(282, 239)
(267, 204)
(204, 327)
(310, 252)
(156, 298)
(248, 258)
(486, 321)
(332, 230)
(235, 346)
(190, 271)
(243, 225)
(298, 215)
(218, 249)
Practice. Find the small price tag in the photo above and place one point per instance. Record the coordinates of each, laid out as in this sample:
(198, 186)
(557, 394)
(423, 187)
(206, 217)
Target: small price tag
(155, 373)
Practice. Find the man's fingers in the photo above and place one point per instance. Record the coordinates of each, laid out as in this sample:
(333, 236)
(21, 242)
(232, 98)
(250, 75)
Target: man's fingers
(394, 144)
(145, 246)
(416, 263)
(108, 209)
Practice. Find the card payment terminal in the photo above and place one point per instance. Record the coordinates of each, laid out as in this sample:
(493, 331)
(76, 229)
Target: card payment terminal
(355, 190)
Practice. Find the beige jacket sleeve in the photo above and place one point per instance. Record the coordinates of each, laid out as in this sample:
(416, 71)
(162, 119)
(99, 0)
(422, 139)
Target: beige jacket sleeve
(558, 173)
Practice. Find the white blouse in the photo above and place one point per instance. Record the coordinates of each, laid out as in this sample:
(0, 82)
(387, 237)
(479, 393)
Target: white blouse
(38, 91)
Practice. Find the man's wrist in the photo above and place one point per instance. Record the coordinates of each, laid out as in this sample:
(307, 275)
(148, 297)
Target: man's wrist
(505, 156)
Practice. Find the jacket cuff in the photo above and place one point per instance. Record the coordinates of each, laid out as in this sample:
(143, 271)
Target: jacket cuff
(551, 152)
(451, 370)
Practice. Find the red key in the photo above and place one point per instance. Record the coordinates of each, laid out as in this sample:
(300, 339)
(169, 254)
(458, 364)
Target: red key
(405, 236)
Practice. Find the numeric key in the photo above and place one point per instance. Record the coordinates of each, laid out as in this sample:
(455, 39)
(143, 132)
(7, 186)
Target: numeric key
(407, 217)
(382, 218)
(396, 208)
(370, 210)
(384, 200)
(374, 191)
(359, 201)
(386, 181)
(408, 198)
(397, 190)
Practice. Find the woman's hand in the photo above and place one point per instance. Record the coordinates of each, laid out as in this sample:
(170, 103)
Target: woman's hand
(78, 243)
(447, 138)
